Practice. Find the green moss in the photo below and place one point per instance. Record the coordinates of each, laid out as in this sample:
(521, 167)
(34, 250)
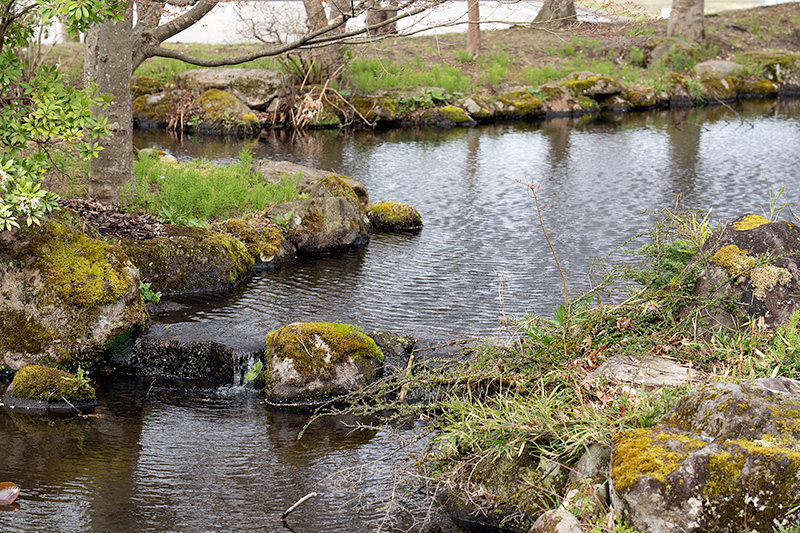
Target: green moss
(44, 383)
(392, 216)
(524, 103)
(377, 108)
(143, 85)
(153, 111)
(306, 345)
(733, 259)
(21, 333)
(263, 243)
(724, 473)
(750, 222)
(640, 453)
(221, 106)
(83, 271)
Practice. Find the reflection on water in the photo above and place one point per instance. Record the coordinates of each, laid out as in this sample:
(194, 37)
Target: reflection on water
(163, 459)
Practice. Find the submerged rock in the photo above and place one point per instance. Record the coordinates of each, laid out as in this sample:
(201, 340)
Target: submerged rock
(312, 361)
(724, 458)
(64, 296)
(750, 268)
(41, 390)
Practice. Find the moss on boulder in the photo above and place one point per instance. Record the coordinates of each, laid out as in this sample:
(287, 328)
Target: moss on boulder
(718, 461)
(190, 260)
(141, 85)
(64, 295)
(266, 243)
(393, 216)
(316, 360)
(223, 113)
(315, 183)
(376, 108)
(151, 111)
(749, 269)
(35, 382)
(521, 104)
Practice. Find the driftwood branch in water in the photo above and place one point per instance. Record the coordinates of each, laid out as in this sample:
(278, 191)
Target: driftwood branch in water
(297, 504)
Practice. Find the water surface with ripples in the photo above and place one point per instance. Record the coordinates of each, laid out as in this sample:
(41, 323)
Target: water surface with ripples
(183, 457)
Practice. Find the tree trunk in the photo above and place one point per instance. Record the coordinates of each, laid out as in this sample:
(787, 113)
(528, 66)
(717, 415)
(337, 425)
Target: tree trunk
(556, 13)
(686, 20)
(108, 64)
(473, 28)
(315, 14)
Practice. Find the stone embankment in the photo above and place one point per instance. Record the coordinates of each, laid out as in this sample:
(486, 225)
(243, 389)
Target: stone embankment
(244, 102)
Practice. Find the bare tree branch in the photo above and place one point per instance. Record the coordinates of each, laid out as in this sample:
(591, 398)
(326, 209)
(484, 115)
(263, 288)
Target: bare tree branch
(178, 24)
(322, 36)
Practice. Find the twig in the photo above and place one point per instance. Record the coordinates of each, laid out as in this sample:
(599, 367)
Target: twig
(297, 504)
(532, 192)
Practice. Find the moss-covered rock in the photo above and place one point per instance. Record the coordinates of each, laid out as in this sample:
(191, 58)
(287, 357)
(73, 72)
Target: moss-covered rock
(151, 111)
(141, 85)
(376, 108)
(41, 390)
(317, 225)
(520, 104)
(481, 107)
(779, 67)
(725, 458)
(592, 85)
(64, 295)
(719, 89)
(266, 243)
(393, 216)
(749, 269)
(35, 382)
(190, 260)
(223, 113)
(446, 116)
(256, 88)
(315, 183)
(314, 361)
(753, 87)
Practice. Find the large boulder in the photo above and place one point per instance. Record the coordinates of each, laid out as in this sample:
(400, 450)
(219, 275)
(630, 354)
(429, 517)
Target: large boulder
(317, 225)
(190, 260)
(313, 361)
(222, 113)
(64, 295)
(313, 182)
(749, 269)
(724, 458)
(257, 88)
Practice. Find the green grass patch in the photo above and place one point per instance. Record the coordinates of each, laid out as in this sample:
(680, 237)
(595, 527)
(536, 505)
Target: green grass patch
(371, 75)
(199, 191)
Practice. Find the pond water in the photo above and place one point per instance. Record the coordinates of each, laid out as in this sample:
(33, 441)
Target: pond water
(181, 457)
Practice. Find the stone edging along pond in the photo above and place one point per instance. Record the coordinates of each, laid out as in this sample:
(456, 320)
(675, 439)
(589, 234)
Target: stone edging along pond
(240, 102)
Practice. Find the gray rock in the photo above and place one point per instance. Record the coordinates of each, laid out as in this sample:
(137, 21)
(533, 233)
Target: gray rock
(753, 262)
(648, 373)
(725, 458)
(256, 88)
(556, 521)
(314, 182)
(594, 464)
(718, 67)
